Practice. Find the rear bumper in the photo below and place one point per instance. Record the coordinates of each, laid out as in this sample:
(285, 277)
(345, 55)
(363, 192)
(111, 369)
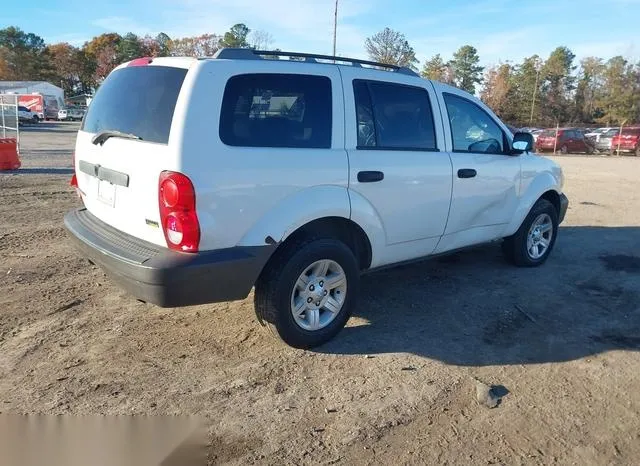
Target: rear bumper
(164, 277)
(564, 205)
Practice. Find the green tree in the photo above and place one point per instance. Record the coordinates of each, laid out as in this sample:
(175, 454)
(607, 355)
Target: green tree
(589, 89)
(129, 48)
(391, 48)
(525, 96)
(466, 69)
(236, 36)
(435, 68)
(163, 42)
(23, 55)
(557, 86)
(620, 101)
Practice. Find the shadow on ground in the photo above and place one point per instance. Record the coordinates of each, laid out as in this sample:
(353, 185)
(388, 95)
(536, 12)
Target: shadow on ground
(39, 171)
(472, 308)
(51, 127)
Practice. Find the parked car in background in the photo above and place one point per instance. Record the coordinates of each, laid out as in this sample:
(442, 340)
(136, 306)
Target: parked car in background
(26, 116)
(602, 141)
(627, 142)
(70, 114)
(535, 132)
(564, 140)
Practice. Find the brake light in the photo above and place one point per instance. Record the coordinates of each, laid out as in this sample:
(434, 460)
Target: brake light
(177, 201)
(144, 61)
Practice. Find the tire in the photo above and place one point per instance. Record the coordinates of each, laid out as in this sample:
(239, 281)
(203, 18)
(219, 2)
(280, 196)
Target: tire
(515, 247)
(277, 291)
(564, 150)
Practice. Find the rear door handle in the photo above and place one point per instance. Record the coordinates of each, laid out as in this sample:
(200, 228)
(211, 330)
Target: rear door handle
(370, 176)
(467, 173)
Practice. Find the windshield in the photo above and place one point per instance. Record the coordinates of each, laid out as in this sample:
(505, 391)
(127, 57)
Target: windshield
(137, 100)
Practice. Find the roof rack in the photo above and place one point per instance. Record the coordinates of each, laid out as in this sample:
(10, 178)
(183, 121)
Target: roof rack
(250, 54)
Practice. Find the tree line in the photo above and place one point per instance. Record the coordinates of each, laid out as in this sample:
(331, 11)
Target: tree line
(536, 91)
(26, 56)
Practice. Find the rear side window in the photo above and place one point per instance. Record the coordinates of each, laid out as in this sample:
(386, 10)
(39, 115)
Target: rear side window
(277, 110)
(393, 116)
(138, 100)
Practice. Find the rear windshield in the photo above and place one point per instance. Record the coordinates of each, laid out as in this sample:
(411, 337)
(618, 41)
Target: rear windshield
(138, 100)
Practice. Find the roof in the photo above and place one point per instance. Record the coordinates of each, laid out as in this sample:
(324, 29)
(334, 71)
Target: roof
(20, 84)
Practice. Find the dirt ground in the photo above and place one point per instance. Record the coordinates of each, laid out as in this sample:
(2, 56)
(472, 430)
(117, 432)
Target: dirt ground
(397, 386)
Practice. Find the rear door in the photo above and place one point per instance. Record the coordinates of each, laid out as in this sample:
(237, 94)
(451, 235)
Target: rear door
(118, 178)
(397, 162)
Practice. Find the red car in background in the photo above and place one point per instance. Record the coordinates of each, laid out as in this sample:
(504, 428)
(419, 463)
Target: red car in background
(569, 140)
(628, 141)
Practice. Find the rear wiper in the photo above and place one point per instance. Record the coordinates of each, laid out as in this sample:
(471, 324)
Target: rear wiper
(102, 136)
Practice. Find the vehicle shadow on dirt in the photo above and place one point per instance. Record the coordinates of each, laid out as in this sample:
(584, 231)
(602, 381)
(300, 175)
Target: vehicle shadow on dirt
(39, 171)
(49, 127)
(472, 308)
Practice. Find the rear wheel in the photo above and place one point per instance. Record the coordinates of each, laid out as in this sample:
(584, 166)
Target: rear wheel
(531, 245)
(308, 291)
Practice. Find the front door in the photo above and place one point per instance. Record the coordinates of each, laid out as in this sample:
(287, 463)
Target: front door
(486, 178)
(397, 161)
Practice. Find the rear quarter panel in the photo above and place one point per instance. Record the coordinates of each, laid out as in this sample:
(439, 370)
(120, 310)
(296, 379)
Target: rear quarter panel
(245, 194)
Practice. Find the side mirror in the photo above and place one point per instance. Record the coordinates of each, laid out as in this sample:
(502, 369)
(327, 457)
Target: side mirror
(522, 142)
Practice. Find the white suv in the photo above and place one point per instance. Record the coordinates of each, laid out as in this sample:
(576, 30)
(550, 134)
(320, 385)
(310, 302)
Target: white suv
(204, 178)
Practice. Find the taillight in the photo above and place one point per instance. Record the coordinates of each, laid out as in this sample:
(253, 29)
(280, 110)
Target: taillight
(177, 201)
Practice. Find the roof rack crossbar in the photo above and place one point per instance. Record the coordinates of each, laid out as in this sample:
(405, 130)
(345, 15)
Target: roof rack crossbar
(250, 54)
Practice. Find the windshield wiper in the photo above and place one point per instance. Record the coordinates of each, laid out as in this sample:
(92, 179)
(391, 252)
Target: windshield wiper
(102, 136)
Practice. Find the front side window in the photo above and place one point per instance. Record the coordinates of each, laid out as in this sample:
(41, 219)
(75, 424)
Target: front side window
(472, 129)
(393, 116)
(277, 110)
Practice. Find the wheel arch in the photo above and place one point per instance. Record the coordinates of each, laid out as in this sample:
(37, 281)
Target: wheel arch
(340, 228)
(545, 186)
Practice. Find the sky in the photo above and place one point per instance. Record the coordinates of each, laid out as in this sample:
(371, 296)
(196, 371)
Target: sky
(501, 30)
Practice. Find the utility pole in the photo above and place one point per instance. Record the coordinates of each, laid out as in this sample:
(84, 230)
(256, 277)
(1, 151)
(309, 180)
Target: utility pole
(335, 27)
(535, 89)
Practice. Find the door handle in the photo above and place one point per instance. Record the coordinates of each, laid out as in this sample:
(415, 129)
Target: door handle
(467, 173)
(370, 176)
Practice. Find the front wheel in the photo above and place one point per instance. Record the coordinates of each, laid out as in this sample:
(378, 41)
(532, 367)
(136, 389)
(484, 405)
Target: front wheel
(531, 245)
(308, 291)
